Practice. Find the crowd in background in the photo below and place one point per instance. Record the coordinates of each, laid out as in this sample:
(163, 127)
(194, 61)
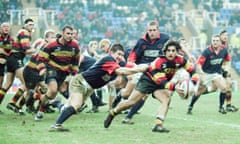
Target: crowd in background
(121, 21)
(6, 5)
(124, 21)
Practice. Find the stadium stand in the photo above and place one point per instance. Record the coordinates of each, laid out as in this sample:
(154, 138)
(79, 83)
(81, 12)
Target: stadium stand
(125, 21)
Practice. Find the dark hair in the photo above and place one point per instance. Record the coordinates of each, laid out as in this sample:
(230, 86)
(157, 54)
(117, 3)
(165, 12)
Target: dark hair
(222, 31)
(58, 35)
(67, 27)
(28, 20)
(116, 47)
(171, 43)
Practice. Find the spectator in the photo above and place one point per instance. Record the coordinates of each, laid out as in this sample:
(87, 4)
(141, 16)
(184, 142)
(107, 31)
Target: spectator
(235, 40)
(235, 18)
(217, 5)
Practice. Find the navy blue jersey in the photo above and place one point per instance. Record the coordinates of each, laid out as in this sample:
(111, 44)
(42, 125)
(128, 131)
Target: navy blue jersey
(102, 72)
(212, 62)
(146, 51)
(86, 63)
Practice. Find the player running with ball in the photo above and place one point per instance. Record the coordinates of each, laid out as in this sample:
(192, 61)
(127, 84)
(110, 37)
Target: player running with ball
(157, 80)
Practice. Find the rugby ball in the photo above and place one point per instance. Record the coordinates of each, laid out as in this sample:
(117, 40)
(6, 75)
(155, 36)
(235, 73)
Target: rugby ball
(188, 88)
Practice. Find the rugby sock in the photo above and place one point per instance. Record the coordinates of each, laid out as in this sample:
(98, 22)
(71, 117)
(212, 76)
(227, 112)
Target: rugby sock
(65, 114)
(135, 108)
(100, 99)
(45, 99)
(59, 105)
(94, 99)
(2, 94)
(41, 107)
(113, 112)
(30, 99)
(228, 98)
(38, 105)
(159, 120)
(117, 100)
(194, 99)
(43, 104)
(18, 94)
(37, 96)
(21, 102)
(99, 94)
(222, 99)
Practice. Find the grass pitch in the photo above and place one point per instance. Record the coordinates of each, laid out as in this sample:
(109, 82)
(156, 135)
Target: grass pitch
(206, 125)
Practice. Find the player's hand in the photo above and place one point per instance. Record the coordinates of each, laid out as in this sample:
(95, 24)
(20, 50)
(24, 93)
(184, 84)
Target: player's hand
(2, 51)
(192, 59)
(3, 61)
(178, 89)
(43, 72)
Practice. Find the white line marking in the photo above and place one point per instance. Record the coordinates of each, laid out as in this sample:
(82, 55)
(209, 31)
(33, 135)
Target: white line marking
(209, 122)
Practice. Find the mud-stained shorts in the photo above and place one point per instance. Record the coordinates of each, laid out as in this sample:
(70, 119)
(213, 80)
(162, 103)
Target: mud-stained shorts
(31, 77)
(146, 86)
(54, 75)
(14, 63)
(209, 78)
(79, 85)
(2, 69)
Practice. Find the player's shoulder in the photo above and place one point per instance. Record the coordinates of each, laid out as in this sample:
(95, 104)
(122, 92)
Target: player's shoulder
(164, 35)
(23, 31)
(161, 59)
(74, 41)
(107, 58)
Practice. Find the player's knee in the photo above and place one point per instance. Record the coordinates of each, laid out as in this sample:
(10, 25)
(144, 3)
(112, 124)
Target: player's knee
(52, 94)
(126, 93)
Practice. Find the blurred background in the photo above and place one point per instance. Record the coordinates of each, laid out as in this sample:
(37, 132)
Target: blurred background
(125, 21)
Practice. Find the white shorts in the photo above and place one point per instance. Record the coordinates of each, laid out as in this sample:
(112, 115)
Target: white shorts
(209, 78)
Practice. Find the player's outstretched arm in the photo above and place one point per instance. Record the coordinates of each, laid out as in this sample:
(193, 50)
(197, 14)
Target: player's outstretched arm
(135, 69)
